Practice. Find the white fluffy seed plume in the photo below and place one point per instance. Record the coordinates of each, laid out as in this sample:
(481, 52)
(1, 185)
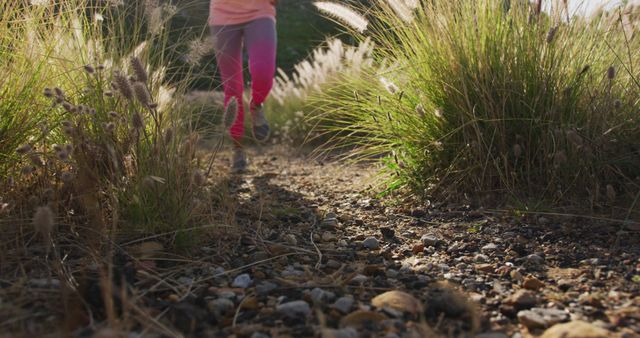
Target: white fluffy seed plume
(343, 13)
(43, 221)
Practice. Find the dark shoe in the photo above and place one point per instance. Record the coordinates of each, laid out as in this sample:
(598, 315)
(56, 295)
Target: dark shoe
(261, 128)
(239, 161)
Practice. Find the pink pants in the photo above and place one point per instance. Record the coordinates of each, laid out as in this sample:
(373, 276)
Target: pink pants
(260, 40)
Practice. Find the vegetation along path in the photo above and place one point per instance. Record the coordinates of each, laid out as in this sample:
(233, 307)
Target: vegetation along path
(317, 254)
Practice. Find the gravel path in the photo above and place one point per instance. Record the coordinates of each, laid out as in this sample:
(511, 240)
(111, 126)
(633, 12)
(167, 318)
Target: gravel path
(319, 255)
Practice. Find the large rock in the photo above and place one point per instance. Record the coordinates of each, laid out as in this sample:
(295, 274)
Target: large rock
(577, 329)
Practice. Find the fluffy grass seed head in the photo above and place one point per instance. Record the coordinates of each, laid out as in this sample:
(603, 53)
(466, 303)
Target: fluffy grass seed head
(43, 220)
(89, 69)
(142, 94)
(611, 73)
(401, 9)
(139, 69)
(123, 85)
(168, 135)
(198, 178)
(343, 13)
(23, 149)
(551, 34)
(137, 121)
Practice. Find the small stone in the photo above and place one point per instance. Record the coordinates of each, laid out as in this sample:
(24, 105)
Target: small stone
(321, 296)
(488, 268)
(418, 248)
(295, 309)
(481, 258)
(359, 279)
(552, 316)
(220, 308)
(516, 276)
(492, 335)
(348, 332)
(266, 287)
(397, 300)
(429, 240)
(330, 221)
(576, 329)
(522, 299)
(534, 260)
(328, 236)
(291, 239)
(531, 319)
(391, 273)
(388, 233)
(260, 335)
(343, 304)
(491, 247)
(333, 264)
(532, 283)
(242, 281)
(371, 243)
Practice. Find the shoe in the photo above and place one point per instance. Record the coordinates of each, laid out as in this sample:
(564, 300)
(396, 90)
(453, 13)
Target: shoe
(261, 128)
(239, 161)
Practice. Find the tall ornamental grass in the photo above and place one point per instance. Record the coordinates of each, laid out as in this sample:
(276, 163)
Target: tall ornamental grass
(494, 98)
(88, 125)
(289, 107)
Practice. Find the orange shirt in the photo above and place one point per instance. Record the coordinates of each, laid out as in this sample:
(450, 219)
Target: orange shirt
(231, 12)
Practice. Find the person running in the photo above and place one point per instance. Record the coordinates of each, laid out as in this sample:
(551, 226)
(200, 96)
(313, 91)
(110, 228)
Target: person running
(251, 23)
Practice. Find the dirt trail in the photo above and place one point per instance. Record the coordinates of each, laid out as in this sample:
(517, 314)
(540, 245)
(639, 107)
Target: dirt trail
(314, 254)
(320, 249)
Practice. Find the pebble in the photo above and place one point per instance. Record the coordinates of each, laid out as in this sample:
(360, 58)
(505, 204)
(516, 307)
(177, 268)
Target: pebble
(348, 332)
(541, 317)
(359, 279)
(343, 304)
(220, 307)
(489, 247)
(328, 236)
(492, 335)
(321, 296)
(532, 283)
(391, 273)
(333, 264)
(371, 243)
(291, 239)
(294, 309)
(266, 287)
(531, 319)
(481, 258)
(260, 335)
(429, 240)
(330, 221)
(290, 271)
(522, 299)
(242, 281)
(534, 260)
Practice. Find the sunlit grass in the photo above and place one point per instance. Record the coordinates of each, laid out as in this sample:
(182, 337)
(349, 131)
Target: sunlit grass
(479, 98)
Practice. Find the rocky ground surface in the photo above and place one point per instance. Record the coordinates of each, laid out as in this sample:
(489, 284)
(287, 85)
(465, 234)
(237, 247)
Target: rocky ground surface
(315, 254)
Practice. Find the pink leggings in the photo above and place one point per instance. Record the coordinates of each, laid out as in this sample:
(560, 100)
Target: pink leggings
(260, 39)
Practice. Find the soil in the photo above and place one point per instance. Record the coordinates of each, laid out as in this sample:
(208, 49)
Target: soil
(313, 252)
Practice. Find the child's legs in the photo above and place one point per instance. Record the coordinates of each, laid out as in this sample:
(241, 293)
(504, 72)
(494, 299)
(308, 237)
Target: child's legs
(260, 39)
(228, 48)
